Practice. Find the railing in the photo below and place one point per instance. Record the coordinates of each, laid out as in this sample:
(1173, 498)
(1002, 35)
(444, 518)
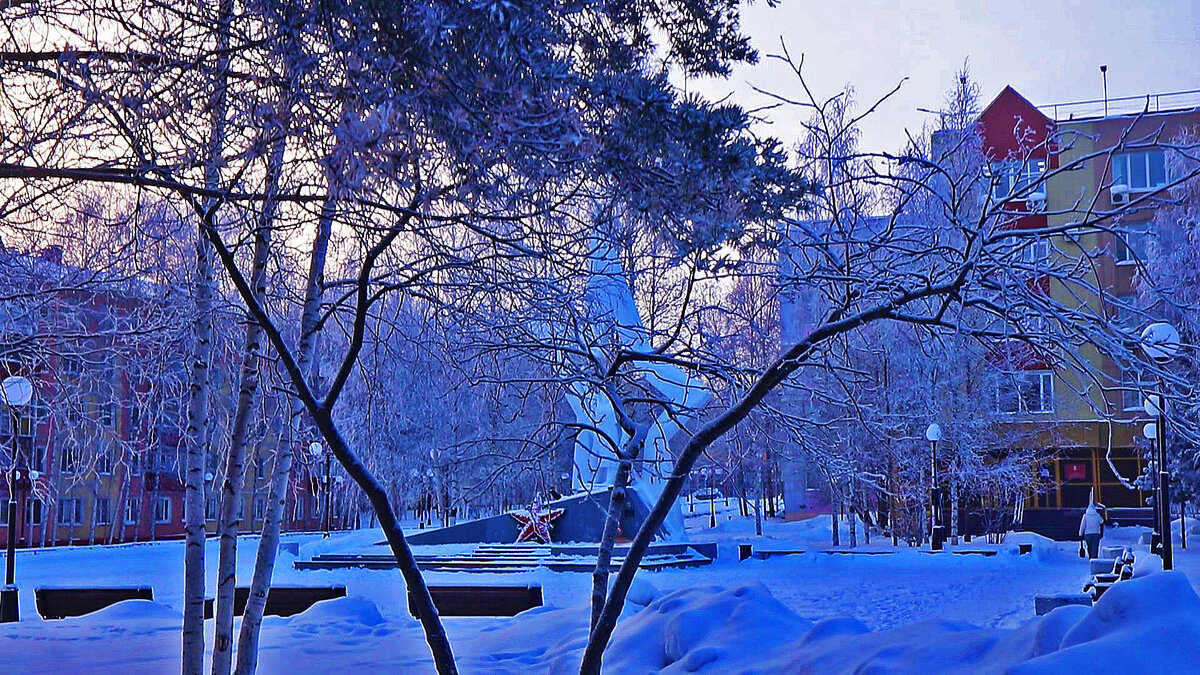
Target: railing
(1123, 105)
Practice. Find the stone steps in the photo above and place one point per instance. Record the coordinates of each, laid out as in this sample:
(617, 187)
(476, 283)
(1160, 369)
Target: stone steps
(515, 558)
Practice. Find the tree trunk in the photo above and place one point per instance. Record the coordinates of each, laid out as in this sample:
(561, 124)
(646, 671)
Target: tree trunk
(1183, 525)
(616, 503)
(235, 469)
(762, 498)
(833, 517)
(92, 521)
(853, 517)
(268, 545)
(866, 508)
(194, 531)
(192, 662)
(954, 510)
(268, 549)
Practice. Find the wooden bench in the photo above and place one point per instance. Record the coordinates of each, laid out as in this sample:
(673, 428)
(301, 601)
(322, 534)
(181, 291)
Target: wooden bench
(61, 602)
(483, 600)
(281, 600)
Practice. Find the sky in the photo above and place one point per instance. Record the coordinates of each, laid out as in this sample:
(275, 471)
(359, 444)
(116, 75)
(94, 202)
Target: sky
(1049, 51)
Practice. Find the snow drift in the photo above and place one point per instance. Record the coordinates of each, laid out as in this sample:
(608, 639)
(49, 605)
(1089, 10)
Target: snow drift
(1149, 624)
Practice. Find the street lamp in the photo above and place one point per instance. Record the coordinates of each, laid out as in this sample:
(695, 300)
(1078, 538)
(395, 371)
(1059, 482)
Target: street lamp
(712, 496)
(933, 434)
(16, 392)
(1160, 342)
(316, 450)
(432, 496)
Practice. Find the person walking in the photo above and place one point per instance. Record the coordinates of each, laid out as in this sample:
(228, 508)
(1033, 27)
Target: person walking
(1091, 528)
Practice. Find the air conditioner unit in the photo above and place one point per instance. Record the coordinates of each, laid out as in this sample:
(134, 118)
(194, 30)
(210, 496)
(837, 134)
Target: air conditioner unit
(1036, 201)
(1119, 193)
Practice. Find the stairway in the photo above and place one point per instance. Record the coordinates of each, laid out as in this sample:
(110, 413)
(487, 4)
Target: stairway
(516, 558)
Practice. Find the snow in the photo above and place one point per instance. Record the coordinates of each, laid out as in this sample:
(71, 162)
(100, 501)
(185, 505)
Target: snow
(902, 610)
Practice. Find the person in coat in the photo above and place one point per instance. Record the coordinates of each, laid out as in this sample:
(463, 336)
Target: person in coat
(1091, 528)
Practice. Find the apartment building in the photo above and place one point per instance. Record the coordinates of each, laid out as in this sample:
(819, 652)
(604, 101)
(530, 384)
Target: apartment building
(96, 457)
(1091, 431)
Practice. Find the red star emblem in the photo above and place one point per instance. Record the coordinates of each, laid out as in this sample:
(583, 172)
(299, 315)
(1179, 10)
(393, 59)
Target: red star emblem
(535, 524)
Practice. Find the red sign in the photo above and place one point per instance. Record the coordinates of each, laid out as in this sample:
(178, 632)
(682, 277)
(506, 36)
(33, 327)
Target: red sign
(1074, 471)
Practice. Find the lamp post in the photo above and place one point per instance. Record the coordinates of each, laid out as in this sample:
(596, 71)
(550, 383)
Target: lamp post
(16, 392)
(712, 497)
(1160, 342)
(317, 450)
(435, 456)
(936, 536)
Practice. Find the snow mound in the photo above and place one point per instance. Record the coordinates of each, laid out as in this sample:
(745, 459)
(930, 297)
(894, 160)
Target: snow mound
(353, 609)
(702, 629)
(129, 610)
(834, 627)
(1193, 525)
(1152, 623)
(641, 593)
(1044, 548)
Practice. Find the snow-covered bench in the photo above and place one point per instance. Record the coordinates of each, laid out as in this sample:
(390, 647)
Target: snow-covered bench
(481, 600)
(60, 602)
(1120, 570)
(1044, 604)
(281, 600)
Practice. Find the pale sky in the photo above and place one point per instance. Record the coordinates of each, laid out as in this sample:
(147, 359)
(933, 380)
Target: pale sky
(1049, 51)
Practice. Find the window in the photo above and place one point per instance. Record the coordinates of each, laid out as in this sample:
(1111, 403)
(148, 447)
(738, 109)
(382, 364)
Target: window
(1133, 391)
(298, 509)
(33, 512)
(68, 459)
(70, 366)
(162, 510)
(1131, 246)
(106, 416)
(36, 452)
(102, 511)
(104, 460)
(1124, 312)
(260, 508)
(133, 509)
(27, 423)
(1011, 178)
(70, 511)
(1144, 170)
(1036, 252)
(1029, 391)
(210, 508)
(4, 511)
(135, 420)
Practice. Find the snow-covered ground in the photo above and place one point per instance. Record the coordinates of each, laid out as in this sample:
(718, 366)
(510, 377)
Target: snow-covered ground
(910, 611)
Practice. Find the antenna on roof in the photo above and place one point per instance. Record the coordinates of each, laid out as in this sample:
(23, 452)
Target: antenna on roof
(1104, 76)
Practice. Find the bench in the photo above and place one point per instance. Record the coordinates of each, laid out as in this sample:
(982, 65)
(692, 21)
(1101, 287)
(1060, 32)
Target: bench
(1120, 569)
(1044, 604)
(62, 602)
(281, 600)
(483, 600)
